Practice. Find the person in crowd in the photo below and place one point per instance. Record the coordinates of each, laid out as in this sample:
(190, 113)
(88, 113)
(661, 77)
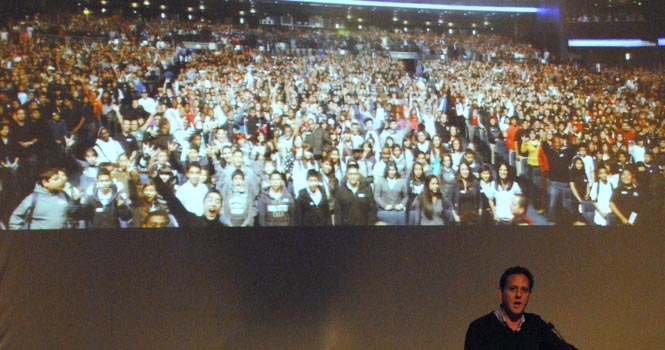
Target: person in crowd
(103, 205)
(580, 190)
(456, 152)
(108, 149)
(391, 196)
(317, 139)
(601, 194)
(559, 157)
(432, 206)
(147, 200)
(531, 146)
(311, 207)
(275, 205)
(212, 206)
(237, 163)
(128, 142)
(415, 187)
(505, 187)
(301, 166)
(627, 200)
(156, 219)
(329, 182)
(436, 154)
(354, 200)
(466, 197)
(519, 206)
(494, 135)
(192, 192)
(448, 176)
(510, 326)
(486, 184)
(238, 207)
(48, 207)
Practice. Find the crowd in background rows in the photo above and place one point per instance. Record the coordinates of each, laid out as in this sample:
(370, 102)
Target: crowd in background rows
(313, 127)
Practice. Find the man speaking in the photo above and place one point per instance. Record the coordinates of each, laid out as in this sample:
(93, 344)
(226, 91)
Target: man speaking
(509, 327)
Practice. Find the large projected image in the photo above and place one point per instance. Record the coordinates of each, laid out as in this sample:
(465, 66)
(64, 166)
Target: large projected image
(318, 113)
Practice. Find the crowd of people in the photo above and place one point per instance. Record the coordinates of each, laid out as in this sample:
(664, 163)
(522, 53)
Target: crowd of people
(312, 127)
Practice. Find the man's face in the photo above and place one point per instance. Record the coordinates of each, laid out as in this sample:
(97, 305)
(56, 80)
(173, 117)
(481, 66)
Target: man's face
(276, 182)
(20, 115)
(626, 177)
(91, 158)
(212, 203)
(126, 126)
(104, 134)
(238, 181)
(226, 154)
(515, 295)
(54, 183)
(156, 221)
(193, 154)
(313, 183)
(353, 176)
(194, 175)
(582, 152)
(237, 159)
(103, 182)
(515, 207)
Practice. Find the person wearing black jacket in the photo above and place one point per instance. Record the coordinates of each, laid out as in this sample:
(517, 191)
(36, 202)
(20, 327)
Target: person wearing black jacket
(212, 206)
(509, 327)
(354, 201)
(104, 206)
(312, 207)
(559, 156)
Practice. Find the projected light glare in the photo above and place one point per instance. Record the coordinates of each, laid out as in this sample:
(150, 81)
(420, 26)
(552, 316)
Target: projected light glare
(421, 6)
(661, 41)
(609, 43)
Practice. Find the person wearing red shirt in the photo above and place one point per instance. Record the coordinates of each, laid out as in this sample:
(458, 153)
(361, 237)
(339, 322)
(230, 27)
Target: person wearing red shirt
(511, 132)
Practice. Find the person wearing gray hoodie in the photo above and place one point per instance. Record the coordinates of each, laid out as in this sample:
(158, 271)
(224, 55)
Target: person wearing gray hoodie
(275, 204)
(48, 207)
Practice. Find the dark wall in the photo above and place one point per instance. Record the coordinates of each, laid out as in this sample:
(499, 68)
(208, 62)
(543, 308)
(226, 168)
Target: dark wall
(332, 289)
(646, 57)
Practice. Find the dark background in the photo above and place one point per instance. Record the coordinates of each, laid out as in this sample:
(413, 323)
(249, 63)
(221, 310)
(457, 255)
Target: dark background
(375, 288)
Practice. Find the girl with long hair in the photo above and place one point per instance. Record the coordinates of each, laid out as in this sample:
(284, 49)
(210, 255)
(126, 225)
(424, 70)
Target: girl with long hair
(466, 197)
(391, 196)
(433, 206)
(505, 187)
